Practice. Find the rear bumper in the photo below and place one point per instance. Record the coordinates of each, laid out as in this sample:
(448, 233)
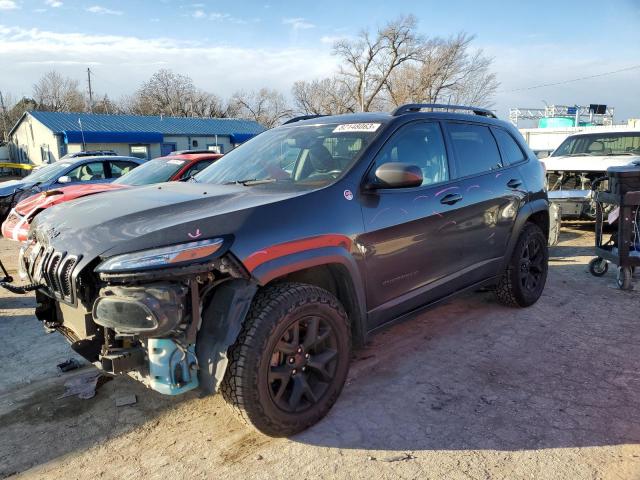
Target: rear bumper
(576, 204)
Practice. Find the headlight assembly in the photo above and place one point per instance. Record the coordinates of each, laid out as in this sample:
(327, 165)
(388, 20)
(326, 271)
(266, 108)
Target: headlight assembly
(161, 257)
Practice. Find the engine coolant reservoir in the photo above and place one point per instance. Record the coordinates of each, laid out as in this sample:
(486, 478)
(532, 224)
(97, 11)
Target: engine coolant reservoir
(172, 369)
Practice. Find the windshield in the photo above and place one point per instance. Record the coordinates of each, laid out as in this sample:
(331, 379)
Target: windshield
(47, 173)
(154, 171)
(627, 143)
(310, 155)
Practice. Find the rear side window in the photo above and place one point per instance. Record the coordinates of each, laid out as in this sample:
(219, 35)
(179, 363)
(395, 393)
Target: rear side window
(475, 148)
(120, 168)
(511, 152)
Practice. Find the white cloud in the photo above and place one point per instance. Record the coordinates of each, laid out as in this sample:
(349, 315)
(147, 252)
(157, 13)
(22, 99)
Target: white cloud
(199, 14)
(103, 10)
(298, 23)
(331, 39)
(8, 5)
(53, 3)
(124, 62)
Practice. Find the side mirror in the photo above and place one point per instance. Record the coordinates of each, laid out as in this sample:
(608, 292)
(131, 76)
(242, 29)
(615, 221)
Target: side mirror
(397, 175)
(64, 179)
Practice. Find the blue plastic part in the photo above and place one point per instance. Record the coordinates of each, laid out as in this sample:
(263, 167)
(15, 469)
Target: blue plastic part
(172, 370)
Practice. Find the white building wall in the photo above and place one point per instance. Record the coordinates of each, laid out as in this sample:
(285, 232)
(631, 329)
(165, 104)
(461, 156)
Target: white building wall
(119, 148)
(34, 143)
(186, 143)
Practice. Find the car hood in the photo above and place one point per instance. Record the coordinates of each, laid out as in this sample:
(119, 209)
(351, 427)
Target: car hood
(587, 163)
(40, 201)
(10, 187)
(151, 216)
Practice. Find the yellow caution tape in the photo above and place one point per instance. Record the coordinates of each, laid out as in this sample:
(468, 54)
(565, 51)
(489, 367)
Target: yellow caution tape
(23, 166)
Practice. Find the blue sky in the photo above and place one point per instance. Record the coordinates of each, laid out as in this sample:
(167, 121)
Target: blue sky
(225, 46)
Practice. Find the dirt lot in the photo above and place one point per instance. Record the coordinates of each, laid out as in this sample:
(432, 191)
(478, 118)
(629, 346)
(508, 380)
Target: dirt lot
(468, 390)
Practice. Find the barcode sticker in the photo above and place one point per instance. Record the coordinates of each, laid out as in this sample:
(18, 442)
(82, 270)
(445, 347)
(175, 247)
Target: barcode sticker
(356, 127)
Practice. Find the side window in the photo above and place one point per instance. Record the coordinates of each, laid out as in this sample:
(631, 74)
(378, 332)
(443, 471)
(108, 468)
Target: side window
(196, 168)
(475, 148)
(419, 144)
(87, 172)
(509, 147)
(120, 168)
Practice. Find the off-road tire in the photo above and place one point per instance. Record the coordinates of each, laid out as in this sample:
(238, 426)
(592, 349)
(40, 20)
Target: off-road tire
(509, 289)
(245, 386)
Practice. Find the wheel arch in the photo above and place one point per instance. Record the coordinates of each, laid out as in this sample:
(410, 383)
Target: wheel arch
(536, 212)
(331, 268)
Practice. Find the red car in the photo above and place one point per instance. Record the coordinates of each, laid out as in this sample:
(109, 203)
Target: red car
(163, 169)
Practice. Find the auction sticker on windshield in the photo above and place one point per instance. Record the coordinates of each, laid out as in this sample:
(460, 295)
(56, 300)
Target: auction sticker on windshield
(176, 162)
(356, 127)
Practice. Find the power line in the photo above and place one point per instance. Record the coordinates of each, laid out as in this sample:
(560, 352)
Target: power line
(634, 67)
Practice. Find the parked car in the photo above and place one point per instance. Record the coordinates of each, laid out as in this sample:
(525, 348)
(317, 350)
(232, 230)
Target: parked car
(163, 169)
(258, 278)
(84, 170)
(579, 161)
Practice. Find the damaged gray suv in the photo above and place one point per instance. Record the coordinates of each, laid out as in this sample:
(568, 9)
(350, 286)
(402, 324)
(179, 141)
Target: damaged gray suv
(258, 278)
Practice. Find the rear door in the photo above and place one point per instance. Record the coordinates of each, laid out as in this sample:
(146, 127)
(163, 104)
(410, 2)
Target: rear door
(491, 192)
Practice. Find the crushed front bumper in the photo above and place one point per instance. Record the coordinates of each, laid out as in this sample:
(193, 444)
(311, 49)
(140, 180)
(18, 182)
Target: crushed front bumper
(574, 204)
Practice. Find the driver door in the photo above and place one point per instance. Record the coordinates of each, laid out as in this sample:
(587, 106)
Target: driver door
(411, 238)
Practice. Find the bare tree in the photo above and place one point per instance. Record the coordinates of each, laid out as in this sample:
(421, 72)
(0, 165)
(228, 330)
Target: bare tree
(369, 61)
(56, 93)
(165, 93)
(12, 112)
(267, 107)
(328, 96)
(447, 71)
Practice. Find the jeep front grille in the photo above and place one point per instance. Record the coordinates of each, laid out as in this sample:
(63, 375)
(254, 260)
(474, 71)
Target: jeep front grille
(52, 268)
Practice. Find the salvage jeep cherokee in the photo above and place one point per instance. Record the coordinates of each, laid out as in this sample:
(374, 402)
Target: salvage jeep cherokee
(259, 277)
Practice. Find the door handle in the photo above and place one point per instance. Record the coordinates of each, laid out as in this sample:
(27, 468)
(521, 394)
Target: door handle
(451, 199)
(514, 183)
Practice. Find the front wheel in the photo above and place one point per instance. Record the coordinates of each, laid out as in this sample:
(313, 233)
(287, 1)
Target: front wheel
(526, 274)
(290, 361)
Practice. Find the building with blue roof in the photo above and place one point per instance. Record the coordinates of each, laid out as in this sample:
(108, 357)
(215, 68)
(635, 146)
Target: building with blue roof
(44, 137)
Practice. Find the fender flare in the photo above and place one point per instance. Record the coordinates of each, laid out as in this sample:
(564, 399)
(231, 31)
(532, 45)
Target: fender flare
(350, 281)
(529, 209)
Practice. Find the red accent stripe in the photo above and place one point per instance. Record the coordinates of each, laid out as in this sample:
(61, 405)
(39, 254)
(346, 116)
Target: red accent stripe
(276, 251)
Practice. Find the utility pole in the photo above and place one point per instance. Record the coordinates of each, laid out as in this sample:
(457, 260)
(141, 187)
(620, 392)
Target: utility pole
(90, 91)
(4, 118)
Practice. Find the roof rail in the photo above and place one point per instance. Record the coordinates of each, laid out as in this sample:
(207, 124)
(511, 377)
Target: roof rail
(302, 117)
(416, 107)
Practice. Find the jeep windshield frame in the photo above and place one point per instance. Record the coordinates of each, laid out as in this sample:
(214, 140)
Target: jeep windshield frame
(600, 144)
(309, 155)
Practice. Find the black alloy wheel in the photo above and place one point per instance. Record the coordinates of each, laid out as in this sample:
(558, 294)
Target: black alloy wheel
(290, 361)
(303, 364)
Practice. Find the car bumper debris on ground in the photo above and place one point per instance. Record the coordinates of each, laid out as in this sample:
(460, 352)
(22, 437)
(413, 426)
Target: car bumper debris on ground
(469, 389)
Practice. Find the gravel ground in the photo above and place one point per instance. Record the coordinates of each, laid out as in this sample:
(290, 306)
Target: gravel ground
(467, 390)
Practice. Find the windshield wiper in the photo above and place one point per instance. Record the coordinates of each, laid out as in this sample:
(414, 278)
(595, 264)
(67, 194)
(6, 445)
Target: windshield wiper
(251, 181)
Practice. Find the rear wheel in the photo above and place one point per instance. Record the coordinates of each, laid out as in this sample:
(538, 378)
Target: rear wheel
(526, 274)
(290, 361)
